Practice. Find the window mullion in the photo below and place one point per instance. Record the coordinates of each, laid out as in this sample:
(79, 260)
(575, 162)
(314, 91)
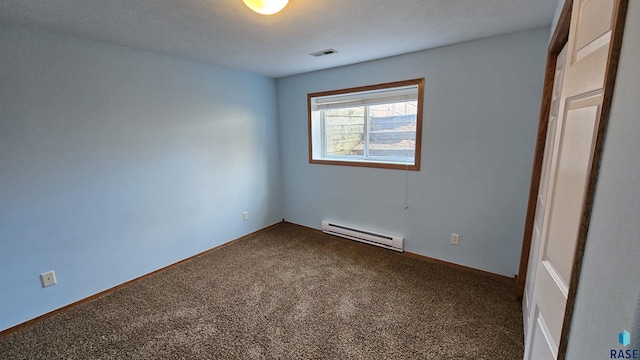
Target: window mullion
(323, 132)
(366, 133)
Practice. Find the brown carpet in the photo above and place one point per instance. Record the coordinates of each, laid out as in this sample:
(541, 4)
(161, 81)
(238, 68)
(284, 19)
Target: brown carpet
(289, 292)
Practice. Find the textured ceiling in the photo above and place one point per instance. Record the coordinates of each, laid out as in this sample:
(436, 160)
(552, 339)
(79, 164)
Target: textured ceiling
(227, 33)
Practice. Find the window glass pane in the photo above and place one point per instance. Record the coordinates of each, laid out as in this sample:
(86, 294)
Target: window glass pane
(392, 132)
(344, 131)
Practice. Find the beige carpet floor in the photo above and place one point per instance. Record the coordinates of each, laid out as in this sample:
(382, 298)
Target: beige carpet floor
(289, 292)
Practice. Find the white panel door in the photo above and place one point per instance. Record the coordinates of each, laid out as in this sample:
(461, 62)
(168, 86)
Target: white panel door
(571, 159)
(543, 193)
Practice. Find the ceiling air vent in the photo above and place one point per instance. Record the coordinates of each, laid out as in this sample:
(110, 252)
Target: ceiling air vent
(324, 52)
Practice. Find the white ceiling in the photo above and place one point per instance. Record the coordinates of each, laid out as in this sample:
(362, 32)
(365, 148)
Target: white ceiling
(227, 33)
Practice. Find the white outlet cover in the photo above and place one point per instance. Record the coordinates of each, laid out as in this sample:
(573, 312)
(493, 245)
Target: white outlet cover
(47, 279)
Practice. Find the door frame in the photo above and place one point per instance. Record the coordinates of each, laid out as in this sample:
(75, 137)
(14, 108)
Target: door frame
(558, 41)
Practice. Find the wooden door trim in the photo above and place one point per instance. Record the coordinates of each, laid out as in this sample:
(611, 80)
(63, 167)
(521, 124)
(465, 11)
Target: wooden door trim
(559, 39)
(619, 17)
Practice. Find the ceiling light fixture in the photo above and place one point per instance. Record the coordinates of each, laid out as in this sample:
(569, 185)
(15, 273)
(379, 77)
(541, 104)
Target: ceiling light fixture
(266, 7)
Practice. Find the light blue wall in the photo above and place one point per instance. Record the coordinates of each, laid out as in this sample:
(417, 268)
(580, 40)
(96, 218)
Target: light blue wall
(482, 101)
(556, 17)
(116, 162)
(608, 299)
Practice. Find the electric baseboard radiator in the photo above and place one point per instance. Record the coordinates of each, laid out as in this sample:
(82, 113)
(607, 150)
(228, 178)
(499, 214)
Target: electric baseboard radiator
(366, 236)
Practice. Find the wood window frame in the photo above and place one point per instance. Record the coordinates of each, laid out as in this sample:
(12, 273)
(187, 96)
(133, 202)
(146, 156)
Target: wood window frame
(371, 164)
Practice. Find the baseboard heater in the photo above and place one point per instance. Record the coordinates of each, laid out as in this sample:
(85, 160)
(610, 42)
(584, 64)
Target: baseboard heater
(366, 236)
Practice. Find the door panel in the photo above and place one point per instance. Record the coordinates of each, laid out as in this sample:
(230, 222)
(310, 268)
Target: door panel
(574, 157)
(543, 346)
(595, 20)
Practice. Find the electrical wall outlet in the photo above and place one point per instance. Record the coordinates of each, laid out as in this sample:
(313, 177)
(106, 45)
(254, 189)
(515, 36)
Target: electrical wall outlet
(245, 216)
(47, 279)
(455, 239)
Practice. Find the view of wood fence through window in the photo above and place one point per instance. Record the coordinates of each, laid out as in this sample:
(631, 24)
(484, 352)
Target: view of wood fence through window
(387, 130)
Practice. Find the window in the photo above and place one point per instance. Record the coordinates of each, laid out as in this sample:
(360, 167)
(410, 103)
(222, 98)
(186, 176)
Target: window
(374, 126)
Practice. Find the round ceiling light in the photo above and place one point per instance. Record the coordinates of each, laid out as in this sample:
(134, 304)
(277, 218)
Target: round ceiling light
(266, 7)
